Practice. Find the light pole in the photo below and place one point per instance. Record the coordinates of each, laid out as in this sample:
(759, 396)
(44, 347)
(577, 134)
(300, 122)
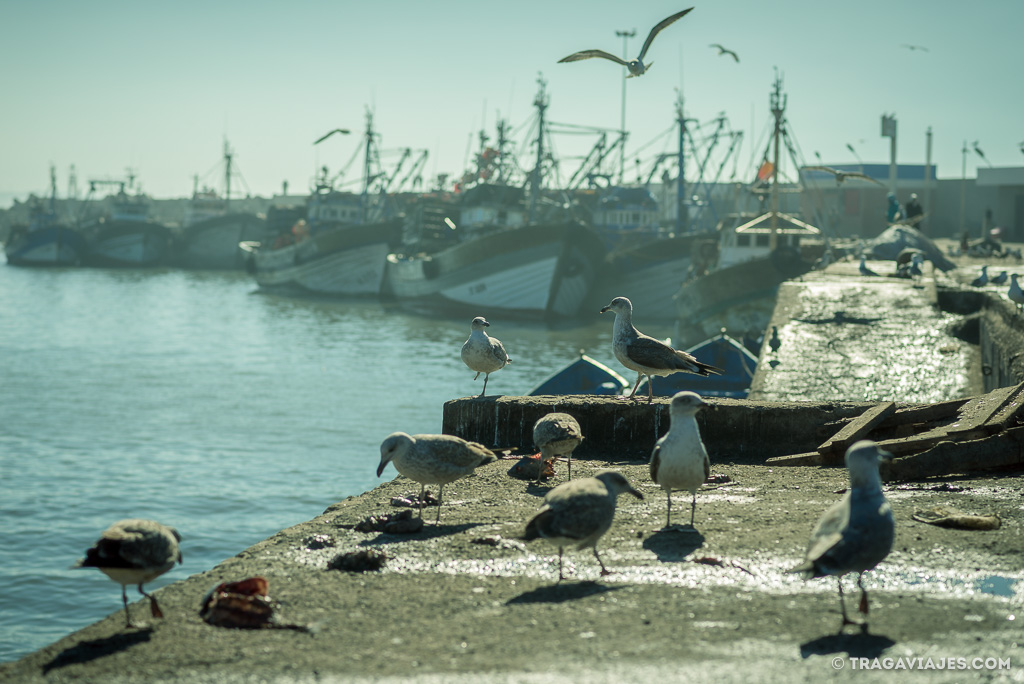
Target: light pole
(625, 35)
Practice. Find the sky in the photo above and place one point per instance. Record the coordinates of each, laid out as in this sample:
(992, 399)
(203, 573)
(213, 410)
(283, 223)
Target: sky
(158, 87)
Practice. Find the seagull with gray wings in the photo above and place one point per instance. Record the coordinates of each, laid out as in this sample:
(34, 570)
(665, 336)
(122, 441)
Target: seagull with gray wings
(134, 551)
(483, 353)
(841, 176)
(679, 459)
(646, 355)
(636, 66)
(857, 532)
(725, 51)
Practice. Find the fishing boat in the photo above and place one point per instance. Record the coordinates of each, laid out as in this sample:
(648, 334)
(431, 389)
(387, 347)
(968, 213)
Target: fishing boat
(125, 236)
(756, 254)
(583, 376)
(338, 248)
(211, 233)
(45, 240)
(499, 253)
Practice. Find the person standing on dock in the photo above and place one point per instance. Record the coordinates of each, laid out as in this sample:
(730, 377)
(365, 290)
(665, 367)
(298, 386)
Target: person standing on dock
(915, 212)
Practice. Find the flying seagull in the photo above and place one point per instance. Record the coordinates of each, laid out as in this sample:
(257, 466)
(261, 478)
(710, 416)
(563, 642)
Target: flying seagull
(325, 136)
(725, 51)
(636, 66)
(840, 176)
(915, 47)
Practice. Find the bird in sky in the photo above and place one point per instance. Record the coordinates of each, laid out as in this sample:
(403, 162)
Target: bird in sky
(636, 66)
(841, 176)
(912, 48)
(325, 136)
(725, 51)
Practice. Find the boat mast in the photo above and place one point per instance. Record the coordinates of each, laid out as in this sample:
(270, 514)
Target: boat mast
(367, 168)
(502, 142)
(53, 189)
(682, 215)
(541, 103)
(227, 173)
(778, 104)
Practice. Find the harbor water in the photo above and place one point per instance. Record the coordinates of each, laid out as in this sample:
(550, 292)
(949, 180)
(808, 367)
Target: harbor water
(192, 399)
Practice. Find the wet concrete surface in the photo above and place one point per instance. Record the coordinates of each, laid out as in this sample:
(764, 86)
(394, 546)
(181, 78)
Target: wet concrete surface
(468, 601)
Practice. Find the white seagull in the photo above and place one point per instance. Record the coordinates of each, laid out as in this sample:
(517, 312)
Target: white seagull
(856, 533)
(636, 66)
(679, 459)
(646, 355)
(432, 459)
(482, 353)
(1016, 294)
(841, 176)
(556, 434)
(864, 270)
(134, 551)
(579, 513)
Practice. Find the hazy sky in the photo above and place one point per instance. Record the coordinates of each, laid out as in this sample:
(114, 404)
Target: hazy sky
(157, 87)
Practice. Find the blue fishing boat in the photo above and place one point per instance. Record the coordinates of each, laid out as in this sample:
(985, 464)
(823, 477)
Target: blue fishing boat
(45, 240)
(582, 376)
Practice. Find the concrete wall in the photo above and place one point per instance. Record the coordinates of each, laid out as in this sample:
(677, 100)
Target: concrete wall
(1002, 343)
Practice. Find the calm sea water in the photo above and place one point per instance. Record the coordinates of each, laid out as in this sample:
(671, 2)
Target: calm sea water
(189, 398)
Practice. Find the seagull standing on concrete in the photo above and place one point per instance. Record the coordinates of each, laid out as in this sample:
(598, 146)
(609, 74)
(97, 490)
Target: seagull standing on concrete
(981, 280)
(856, 533)
(679, 459)
(636, 66)
(725, 51)
(864, 270)
(556, 434)
(1016, 294)
(646, 355)
(482, 353)
(999, 279)
(134, 551)
(432, 459)
(579, 513)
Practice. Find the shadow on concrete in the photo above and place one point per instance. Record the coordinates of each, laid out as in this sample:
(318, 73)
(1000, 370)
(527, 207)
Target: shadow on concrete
(87, 651)
(862, 645)
(674, 544)
(561, 592)
(428, 532)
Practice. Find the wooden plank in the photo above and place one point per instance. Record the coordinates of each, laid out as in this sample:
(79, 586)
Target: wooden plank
(980, 410)
(924, 414)
(947, 457)
(1009, 414)
(809, 459)
(858, 428)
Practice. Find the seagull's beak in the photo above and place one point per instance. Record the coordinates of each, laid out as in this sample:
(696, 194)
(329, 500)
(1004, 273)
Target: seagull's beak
(382, 466)
(605, 310)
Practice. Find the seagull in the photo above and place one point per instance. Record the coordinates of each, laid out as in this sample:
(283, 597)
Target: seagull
(432, 459)
(636, 66)
(864, 270)
(915, 47)
(579, 513)
(646, 355)
(134, 551)
(843, 175)
(999, 279)
(856, 533)
(679, 459)
(343, 131)
(482, 353)
(917, 261)
(556, 434)
(981, 280)
(725, 51)
(1015, 294)
(774, 342)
